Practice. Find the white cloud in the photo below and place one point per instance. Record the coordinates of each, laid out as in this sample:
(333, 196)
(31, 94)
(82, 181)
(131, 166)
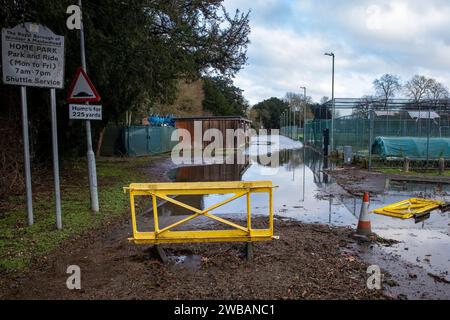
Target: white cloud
(369, 38)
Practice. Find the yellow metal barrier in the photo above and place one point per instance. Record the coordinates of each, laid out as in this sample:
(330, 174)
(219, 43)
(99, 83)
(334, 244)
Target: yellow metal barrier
(166, 191)
(410, 208)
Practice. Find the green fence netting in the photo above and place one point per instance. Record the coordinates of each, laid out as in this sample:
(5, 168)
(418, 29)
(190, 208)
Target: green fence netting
(137, 141)
(361, 133)
(412, 147)
(294, 132)
(112, 144)
(147, 140)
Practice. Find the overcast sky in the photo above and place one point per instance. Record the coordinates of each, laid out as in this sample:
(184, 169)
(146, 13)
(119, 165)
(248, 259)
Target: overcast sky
(369, 38)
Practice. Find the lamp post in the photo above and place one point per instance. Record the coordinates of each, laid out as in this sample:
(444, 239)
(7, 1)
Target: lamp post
(304, 106)
(288, 119)
(304, 114)
(331, 54)
(281, 123)
(290, 122)
(304, 144)
(92, 170)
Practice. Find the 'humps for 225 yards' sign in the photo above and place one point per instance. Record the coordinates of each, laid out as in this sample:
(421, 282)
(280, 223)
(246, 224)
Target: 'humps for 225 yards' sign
(32, 56)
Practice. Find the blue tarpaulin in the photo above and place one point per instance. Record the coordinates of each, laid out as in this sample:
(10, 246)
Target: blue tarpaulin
(412, 147)
(161, 121)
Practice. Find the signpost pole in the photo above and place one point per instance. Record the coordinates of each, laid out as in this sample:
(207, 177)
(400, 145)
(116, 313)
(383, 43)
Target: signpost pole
(26, 152)
(55, 159)
(24, 65)
(90, 152)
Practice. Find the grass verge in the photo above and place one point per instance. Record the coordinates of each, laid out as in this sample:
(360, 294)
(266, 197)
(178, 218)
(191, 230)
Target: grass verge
(19, 243)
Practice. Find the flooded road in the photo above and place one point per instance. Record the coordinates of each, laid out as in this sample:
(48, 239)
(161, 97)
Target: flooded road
(303, 192)
(307, 194)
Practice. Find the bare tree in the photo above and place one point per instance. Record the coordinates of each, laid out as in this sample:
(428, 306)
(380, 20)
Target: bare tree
(418, 87)
(324, 100)
(387, 86)
(294, 100)
(297, 102)
(363, 106)
(437, 91)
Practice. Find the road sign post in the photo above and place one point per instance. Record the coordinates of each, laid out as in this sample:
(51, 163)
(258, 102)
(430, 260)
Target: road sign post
(82, 90)
(55, 159)
(26, 155)
(90, 153)
(33, 56)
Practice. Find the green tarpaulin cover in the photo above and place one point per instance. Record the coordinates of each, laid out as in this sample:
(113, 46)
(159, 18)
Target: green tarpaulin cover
(411, 147)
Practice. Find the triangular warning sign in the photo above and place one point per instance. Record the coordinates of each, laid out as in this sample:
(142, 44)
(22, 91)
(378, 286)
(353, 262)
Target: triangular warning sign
(82, 89)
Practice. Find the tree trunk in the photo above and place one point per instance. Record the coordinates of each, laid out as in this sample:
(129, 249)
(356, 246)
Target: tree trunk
(100, 141)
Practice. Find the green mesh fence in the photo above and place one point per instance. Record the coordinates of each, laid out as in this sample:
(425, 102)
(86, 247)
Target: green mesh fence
(359, 122)
(360, 133)
(112, 142)
(293, 132)
(137, 140)
(147, 140)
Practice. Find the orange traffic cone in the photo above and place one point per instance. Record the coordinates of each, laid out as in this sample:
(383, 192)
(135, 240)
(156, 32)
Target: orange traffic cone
(364, 225)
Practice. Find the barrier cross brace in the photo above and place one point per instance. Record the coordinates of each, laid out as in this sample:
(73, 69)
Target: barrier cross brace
(166, 192)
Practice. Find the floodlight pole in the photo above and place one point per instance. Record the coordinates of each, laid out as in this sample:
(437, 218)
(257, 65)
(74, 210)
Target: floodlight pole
(289, 121)
(304, 108)
(332, 101)
(304, 144)
(90, 153)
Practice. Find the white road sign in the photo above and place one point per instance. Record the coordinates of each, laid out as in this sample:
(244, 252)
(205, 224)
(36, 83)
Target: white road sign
(32, 56)
(85, 112)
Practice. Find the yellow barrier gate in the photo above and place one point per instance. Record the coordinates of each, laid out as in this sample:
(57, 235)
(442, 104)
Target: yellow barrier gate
(166, 191)
(412, 208)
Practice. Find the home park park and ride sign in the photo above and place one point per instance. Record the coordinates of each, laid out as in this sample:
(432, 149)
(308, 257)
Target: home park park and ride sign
(32, 56)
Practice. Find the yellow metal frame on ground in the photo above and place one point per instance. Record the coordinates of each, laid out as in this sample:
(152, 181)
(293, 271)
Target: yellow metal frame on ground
(410, 208)
(166, 191)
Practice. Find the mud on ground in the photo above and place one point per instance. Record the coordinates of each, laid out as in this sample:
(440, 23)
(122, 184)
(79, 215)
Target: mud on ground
(356, 181)
(308, 262)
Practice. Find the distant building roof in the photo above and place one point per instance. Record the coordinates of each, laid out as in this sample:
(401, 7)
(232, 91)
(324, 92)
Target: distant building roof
(379, 113)
(423, 115)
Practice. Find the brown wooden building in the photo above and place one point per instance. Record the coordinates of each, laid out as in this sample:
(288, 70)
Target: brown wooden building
(221, 123)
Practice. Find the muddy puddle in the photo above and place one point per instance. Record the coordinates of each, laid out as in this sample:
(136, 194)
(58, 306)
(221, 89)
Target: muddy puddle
(420, 261)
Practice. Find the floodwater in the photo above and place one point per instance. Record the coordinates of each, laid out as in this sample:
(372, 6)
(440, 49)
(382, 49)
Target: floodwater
(307, 194)
(309, 200)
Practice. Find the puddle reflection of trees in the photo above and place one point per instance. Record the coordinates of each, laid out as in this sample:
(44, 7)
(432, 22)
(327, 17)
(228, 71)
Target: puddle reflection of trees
(202, 173)
(423, 189)
(293, 159)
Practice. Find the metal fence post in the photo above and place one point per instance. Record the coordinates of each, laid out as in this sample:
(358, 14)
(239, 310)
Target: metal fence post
(371, 127)
(428, 137)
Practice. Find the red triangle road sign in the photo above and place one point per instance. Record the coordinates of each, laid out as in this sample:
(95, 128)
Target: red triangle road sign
(82, 89)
